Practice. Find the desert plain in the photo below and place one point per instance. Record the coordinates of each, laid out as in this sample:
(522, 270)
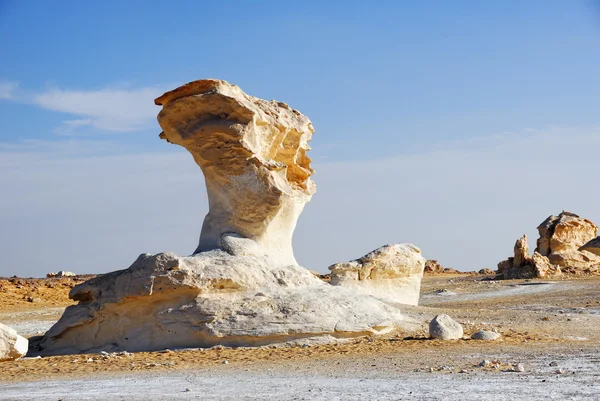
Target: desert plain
(548, 348)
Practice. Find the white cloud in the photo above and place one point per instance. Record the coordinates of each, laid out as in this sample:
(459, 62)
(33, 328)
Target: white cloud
(118, 110)
(464, 206)
(7, 89)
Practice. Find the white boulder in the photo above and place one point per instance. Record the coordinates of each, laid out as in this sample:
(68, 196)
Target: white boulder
(443, 327)
(12, 345)
(391, 272)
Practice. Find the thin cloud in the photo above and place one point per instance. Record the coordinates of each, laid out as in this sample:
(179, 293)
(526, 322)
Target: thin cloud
(116, 110)
(7, 89)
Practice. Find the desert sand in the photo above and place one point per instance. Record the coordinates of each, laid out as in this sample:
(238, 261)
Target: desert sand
(548, 326)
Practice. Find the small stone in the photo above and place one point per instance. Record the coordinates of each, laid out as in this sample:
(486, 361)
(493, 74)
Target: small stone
(225, 362)
(519, 367)
(485, 363)
(485, 335)
(560, 371)
(553, 364)
(89, 360)
(187, 390)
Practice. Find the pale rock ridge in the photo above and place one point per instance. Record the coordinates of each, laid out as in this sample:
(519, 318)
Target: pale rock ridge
(12, 345)
(391, 272)
(253, 156)
(242, 287)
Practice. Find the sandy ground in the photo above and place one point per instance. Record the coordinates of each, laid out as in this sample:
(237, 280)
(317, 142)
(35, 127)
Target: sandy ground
(551, 327)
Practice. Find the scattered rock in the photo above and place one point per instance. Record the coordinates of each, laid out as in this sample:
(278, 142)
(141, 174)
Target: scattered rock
(553, 364)
(392, 272)
(519, 367)
(443, 327)
(12, 345)
(486, 272)
(486, 363)
(485, 335)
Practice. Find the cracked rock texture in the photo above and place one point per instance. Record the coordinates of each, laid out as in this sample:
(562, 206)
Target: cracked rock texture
(242, 286)
(392, 272)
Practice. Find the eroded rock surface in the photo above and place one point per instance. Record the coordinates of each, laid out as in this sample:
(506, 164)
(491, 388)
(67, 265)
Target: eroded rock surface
(392, 272)
(253, 156)
(242, 286)
(12, 345)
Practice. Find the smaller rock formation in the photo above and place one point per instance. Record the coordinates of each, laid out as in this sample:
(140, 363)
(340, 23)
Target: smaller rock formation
(486, 272)
(443, 327)
(523, 265)
(566, 245)
(12, 345)
(485, 335)
(392, 272)
(592, 246)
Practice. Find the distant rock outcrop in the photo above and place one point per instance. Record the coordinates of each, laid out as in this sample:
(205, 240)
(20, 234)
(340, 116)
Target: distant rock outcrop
(560, 249)
(392, 272)
(434, 267)
(242, 286)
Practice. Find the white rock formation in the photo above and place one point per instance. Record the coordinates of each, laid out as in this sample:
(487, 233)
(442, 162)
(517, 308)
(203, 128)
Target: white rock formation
(242, 286)
(12, 345)
(443, 327)
(392, 272)
(253, 156)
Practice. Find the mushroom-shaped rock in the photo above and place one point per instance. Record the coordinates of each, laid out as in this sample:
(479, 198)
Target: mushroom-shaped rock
(242, 286)
(253, 156)
(12, 345)
(392, 272)
(443, 327)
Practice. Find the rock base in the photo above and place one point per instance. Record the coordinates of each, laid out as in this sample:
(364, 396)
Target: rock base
(212, 298)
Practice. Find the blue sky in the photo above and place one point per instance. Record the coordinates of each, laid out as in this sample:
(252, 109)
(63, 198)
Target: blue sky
(420, 100)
